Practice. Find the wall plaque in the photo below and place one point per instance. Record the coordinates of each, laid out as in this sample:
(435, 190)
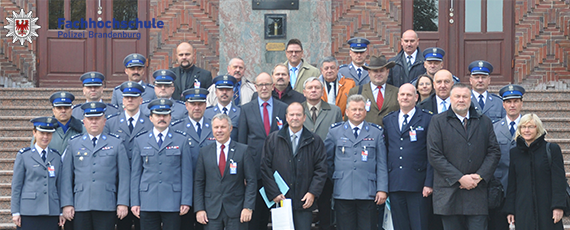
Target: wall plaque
(275, 46)
(275, 4)
(275, 26)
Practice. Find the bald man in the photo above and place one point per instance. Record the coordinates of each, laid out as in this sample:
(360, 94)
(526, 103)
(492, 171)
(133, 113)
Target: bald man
(409, 61)
(187, 74)
(439, 102)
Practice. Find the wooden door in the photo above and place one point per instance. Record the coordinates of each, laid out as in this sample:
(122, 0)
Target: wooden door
(485, 31)
(65, 54)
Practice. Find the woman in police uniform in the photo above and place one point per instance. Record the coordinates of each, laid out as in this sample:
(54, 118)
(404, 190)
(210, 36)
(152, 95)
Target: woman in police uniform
(35, 190)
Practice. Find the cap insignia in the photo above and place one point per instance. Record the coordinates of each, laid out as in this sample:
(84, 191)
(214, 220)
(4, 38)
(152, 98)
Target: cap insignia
(434, 50)
(49, 120)
(62, 94)
(135, 56)
(93, 105)
(130, 84)
(163, 72)
(480, 64)
(511, 88)
(161, 101)
(92, 74)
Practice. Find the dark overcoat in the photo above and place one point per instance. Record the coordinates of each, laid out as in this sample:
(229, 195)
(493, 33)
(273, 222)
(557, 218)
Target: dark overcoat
(454, 152)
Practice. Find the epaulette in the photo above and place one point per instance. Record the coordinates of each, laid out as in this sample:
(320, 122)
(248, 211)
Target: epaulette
(176, 122)
(114, 135)
(211, 106)
(375, 125)
(24, 149)
(181, 132)
(113, 105)
(150, 85)
(76, 105)
(75, 136)
(180, 102)
(118, 87)
(146, 101)
(141, 133)
(113, 115)
(393, 112)
(427, 111)
(336, 124)
(55, 151)
(342, 66)
(497, 96)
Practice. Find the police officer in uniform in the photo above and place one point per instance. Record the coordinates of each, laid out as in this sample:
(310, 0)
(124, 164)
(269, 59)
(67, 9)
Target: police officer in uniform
(433, 62)
(224, 104)
(484, 102)
(358, 54)
(93, 91)
(95, 175)
(161, 175)
(505, 131)
(198, 134)
(36, 180)
(135, 69)
(68, 125)
(164, 88)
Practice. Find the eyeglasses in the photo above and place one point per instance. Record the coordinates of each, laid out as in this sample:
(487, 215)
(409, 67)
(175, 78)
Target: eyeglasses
(528, 126)
(294, 51)
(424, 83)
(264, 85)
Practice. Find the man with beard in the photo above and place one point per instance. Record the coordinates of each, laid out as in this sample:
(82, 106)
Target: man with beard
(337, 85)
(135, 69)
(485, 102)
(283, 90)
(358, 53)
(409, 61)
(243, 89)
(93, 91)
(439, 102)
(224, 85)
(163, 88)
(188, 75)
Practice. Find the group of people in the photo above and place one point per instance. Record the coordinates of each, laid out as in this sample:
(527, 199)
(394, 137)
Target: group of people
(192, 152)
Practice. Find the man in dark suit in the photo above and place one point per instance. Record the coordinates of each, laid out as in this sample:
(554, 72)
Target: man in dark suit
(409, 61)
(410, 176)
(188, 75)
(463, 151)
(439, 102)
(283, 90)
(221, 198)
(381, 98)
(264, 115)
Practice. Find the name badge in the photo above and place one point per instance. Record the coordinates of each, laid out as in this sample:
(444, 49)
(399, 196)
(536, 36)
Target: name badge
(233, 167)
(51, 171)
(413, 136)
(367, 107)
(196, 83)
(364, 155)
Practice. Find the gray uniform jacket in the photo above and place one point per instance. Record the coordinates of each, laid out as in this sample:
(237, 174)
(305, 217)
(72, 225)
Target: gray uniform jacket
(34, 192)
(195, 142)
(59, 139)
(148, 94)
(349, 71)
(493, 107)
(214, 192)
(247, 89)
(161, 177)
(506, 143)
(354, 177)
(78, 112)
(95, 178)
(118, 124)
(178, 108)
(327, 115)
(233, 113)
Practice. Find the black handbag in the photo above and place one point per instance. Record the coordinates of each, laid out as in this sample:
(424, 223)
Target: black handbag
(495, 193)
(549, 155)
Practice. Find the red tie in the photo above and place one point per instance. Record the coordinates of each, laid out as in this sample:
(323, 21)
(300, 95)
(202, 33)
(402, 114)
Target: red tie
(266, 118)
(380, 98)
(222, 164)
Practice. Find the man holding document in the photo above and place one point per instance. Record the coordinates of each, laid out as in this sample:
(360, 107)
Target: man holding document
(299, 157)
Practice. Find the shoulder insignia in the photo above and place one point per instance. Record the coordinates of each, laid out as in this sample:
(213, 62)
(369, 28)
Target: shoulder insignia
(181, 132)
(180, 102)
(146, 101)
(150, 85)
(342, 66)
(55, 151)
(75, 136)
(76, 105)
(118, 87)
(114, 135)
(395, 111)
(176, 122)
(427, 111)
(141, 133)
(375, 125)
(211, 106)
(336, 124)
(113, 105)
(497, 96)
(113, 115)
(24, 149)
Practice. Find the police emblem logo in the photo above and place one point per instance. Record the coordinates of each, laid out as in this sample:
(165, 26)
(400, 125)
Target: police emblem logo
(62, 94)
(135, 55)
(359, 40)
(93, 105)
(225, 77)
(22, 27)
(434, 50)
(161, 101)
(92, 74)
(49, 120)
(163, 72)
(197, 91)
(480, 64)
(130, 84)
(511, 88)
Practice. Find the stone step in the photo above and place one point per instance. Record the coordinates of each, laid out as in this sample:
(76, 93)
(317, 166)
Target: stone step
(5, 189)
(8, 152)
(548, 111)
(40, 100)
(34, 111)
(5, 177)
(4, 202)
(557, 122)
(16, 131)
(46, 92)
(7, 164)
(557, 133)
(6, 219)
(15, 121)
(563, 142)
(15, 142)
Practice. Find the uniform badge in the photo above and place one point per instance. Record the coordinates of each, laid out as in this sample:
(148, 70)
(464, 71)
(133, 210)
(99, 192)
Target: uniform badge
(93, 105)
(135, 55)
(130, 84)
(92, 75)
(511, 88)
(81, 158)
(163, 72)
(49, 120)
(85, 154)
(62, 94)
(434, 50)
(78, 153)
(480, 64)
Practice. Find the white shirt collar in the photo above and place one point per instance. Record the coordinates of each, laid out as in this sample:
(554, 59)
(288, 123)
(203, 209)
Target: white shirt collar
(516, 121)
(221, 107)
(461, 117)
(414, 55)
(410, 115)
(39, 149)
(91, 137)
(219, 148)
(476, 95)
(298, 66)
(359, 126)
(135, 117)
(194, 122)
(155, 132)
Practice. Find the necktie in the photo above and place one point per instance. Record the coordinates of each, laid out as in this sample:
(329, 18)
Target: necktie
(443, 106)
(512, 129)
(94, 141)
(222, 160)
(314, 114)
(293, 76)
(266, 118)
(465, 123)
(359, 72)
(409, 63)
(236, 92)
(44, 155)
(159, 140)
(225, 110)
(131, 127)
(331, 97)
(294, 142)
(380, 98)
(405, 122)
(481, 101)
(355, 132)
(198, 129)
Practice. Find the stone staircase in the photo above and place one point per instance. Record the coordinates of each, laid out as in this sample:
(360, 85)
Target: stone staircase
(18, 106)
